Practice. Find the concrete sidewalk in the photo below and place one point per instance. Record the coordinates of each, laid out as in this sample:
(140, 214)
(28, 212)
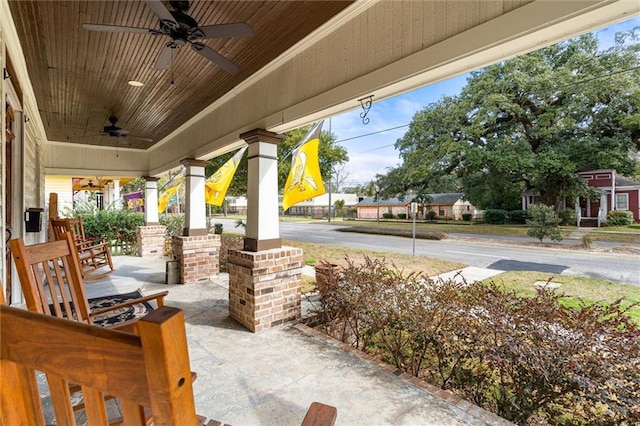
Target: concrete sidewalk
(272, 377)
(470, 274)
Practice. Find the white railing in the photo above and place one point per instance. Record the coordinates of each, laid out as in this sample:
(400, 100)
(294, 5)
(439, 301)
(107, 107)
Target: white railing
(602, 216)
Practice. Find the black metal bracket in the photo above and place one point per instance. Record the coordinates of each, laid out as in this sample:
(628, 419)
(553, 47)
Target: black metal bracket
(365, 103)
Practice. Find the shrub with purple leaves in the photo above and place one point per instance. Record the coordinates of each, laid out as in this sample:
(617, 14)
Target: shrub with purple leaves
(526, 359)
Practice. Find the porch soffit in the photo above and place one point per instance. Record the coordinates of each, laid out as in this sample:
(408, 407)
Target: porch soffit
(379, 47)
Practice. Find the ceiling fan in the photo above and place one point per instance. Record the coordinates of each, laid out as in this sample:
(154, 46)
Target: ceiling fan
(183, 29)
(90, 185)
(119, 133)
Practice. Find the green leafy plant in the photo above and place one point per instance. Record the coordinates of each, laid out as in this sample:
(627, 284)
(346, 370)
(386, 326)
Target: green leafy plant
(467, 217)
(431, 215)
(517, 216)
(496, 216)
(174, 224)
(544, 222)
(619, 218)
(118, 226)
(217, 228)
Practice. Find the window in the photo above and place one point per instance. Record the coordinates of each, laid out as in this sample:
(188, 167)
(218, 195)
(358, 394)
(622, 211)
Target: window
(622, 202)
(441, 211)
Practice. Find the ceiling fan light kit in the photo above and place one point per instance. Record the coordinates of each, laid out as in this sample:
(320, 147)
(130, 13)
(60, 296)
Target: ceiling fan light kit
(183, 29)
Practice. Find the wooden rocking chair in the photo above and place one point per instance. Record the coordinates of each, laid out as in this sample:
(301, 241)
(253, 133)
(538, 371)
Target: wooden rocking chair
(147, 370)
(52, 284)
(148, 373)
(94, 253)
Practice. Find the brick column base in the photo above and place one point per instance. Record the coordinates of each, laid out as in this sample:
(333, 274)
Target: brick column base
(150, 240)
(198, 256)
(264, 287)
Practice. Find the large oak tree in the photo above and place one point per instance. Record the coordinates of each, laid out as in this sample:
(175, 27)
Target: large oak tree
(529, 122)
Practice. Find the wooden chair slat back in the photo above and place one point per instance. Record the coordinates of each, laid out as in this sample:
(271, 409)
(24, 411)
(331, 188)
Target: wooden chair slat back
(72, 224)
(60, 226)
(150, 370)
(75, 223)
(51, 278)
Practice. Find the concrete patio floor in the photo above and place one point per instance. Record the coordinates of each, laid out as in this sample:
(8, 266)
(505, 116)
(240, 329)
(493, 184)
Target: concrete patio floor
(271, 378)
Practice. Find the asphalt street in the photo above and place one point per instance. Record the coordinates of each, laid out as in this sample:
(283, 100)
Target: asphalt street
(478, 251)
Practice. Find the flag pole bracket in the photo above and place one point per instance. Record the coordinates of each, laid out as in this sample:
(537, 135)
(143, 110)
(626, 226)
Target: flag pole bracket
(365, 103)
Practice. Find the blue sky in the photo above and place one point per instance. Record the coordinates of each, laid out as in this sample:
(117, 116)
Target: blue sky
(371, 155)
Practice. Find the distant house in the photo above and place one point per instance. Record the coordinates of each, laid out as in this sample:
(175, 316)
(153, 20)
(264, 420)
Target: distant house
(237, 205)
(319, 206)
(448, 205)
(615, 193)
(369, 208)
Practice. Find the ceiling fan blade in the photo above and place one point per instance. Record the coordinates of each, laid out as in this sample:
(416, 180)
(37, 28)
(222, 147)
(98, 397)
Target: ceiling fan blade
(162, 12)
(138, 138)
(116, 29)
(165, 58)
(216, 58)
(239, 29)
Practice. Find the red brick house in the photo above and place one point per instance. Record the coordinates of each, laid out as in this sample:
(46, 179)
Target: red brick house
(616, 193)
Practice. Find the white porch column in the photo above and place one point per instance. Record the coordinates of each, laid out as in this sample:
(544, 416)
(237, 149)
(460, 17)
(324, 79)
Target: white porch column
(263, 227)
(151, 201)
(117, 204)
(195, 218)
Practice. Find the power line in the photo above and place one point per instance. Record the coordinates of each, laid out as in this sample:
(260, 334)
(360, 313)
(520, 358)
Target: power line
(374, 133)
(375, 149)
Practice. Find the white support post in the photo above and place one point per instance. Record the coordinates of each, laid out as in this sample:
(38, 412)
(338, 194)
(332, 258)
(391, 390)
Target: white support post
(151, 201)
(117, 204)
(263, 227)
(195, 222)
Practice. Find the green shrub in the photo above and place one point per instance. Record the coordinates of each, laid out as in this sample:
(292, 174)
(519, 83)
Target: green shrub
(113, 225)
(467, 217)
(495, 216)
(522, 358)
(431, 215)
(619, 218)
(567, 217)
(387, 215)
(174, 224)
(402, 215)
(544, 223)
(217, 228)
(518, 216)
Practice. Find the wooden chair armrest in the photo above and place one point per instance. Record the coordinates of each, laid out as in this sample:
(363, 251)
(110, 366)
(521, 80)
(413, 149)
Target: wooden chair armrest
(320, 415)
(159, 297)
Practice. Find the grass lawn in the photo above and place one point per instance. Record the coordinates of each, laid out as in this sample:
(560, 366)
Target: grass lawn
(590, 290)
(621, 234)
(316, 253)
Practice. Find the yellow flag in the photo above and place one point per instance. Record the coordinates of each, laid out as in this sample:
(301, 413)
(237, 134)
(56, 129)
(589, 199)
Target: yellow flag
(163, 200)
(304, 180)
(216, 186)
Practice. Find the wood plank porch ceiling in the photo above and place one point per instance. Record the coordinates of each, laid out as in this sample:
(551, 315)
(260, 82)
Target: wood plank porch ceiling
(80, 77)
